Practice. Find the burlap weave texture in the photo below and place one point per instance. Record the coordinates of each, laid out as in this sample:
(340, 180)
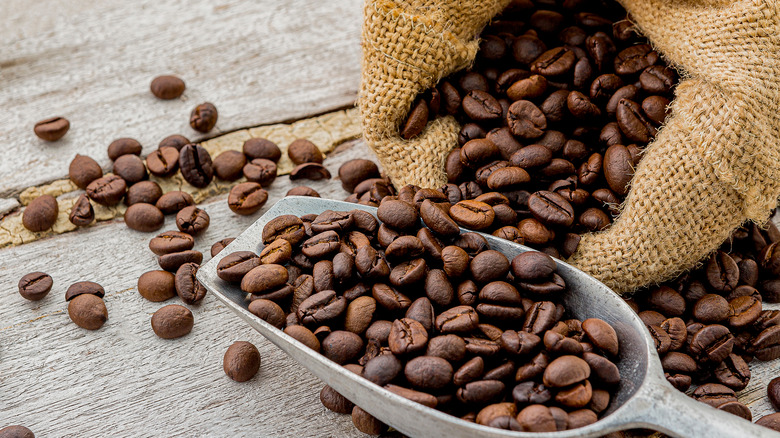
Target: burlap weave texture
(714, 165)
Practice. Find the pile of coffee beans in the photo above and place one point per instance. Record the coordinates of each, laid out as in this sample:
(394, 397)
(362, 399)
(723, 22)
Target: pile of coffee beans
(708, 325)
(431, 314)
(556, 110)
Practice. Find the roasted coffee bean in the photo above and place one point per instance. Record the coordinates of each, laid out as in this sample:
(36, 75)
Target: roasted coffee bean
(130, 168)
(175, 141)
(397, 214)
(268, 311)
(733, 372)
(261, 171)
(633, 123)
(481, 106)
(766, 346)
(335, 401)
(277, 252)
(656, 108)
(407, 336)
(311, 171)
(360, 313)
(241, 361)
(82, 213)
(157, 286)
(737, 409)
(714, 394)
(677, 331)
(526, 120)
(16, 431)
(264, 278)
(342, 346)
(52, 129)
(148, 192)
(551, 208)
(480, 391)
(711, 308)
(416, 120)
(773, 391)
(354, 171)
(83, 170)
(196, 166)
(428, 373)
(602, 335)
(171, 241)
(489, 266)
(367, 423)
(172, 321)
(247, 198)
(84, 288)
(144, 217)
(472, 214)
(172, 261)
(389, 298)
(167, 87)
(123, 146)
(229, 165)
(565, 371)
(667, 301)
(174, 201)
(187, 286)
(533, 266)
(438, 220)
(303, 151)
(771, 421)
(459, 319)
(722, 272)
(192, 220)
(35, 286)
(382, 369)
(634, 59)
(233, 267)
(261, 148)
(713, 343)
(303, 191)
(40, 214)
(203, 118)
(88, 311)
(554, 62)
(321, 245)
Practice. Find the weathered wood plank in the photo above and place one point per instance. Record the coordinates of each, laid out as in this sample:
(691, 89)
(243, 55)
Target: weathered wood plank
(90, 61)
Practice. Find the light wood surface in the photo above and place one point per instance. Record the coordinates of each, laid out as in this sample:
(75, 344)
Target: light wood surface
(260, 62)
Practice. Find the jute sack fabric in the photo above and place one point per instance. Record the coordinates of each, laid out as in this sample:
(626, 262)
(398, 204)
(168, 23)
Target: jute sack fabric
(713, 166)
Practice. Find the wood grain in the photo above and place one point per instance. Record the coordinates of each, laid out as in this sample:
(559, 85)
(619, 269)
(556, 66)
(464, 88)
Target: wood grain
(92, 61)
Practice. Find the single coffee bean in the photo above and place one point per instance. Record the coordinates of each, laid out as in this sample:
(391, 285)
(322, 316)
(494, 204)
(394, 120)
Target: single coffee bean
(107, 190)
(473, 214)
(35, 286)
(459, 319)
(167, 87)
(196, 166)
(428, 372)
(229, 164)
(382, 369)
(52, 129)
(175, 141)
(287, 227)
(633, 123)
(130, 168)
(773, 391)
(310, 171)
(304, 151)
(713, 343)
(480, 391)
(277, 252)
(192, 220)
(123, 146)
(551, 208)
(84, 288)
(766, 346)
(174, 201)
(667, 301)
(554, 62)
(172, 261)
(268, 311)
(247, 198)
(148, 192)
(398, 214)
(334, 401)
(714, 394)
(303, 191)
(342, 346)
(722, 272)
(354, 171)
(537, 418)
(16, 431)
(83, 170)
(261, 148)
(367, 423)
(264, 278)
(233, 267)
(526, 120)
(157, 286)
(187, 286)
(82, 213)
(303, 335)
(733, 372)
(204, 117)
(618, 168)
(172, 321)
(217, 247)
(602, 335)
(480, 106)
(711, 308)
(144, 217)
(241, 361)
(40, 214)
(260, 170)
(634, 59)
(565, 371)
(416, 120)
(171, 241)
(771, 421)
(88, 311)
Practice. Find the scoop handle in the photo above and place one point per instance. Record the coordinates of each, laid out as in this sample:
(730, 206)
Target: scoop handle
(667, 410)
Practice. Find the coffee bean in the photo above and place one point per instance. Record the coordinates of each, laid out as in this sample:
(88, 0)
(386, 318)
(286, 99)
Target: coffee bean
(157, 286)
(40, 214)
(217, 247)
(241, 361)
(88, 311)
(175, 141)
(304, 151)
(35, 286)
(633, 123)
(84, 288)
(261, 148)
(196, 166)
(148, 192)
(171, 241)
(229, 165)
(602, 335)
(526, 120)
(766, 346)
(341, 346)
(233, 267)
(711, 308)
(83, 170)
(554, 62)
(247, 198)
(173, 202)
(472, 214)
(537, 418)
(192, 220)
(713, 342)
(722, 272)
(551, 208)
(480, 105)
(264, 278)
(107, 190)
(565, 371)
(618, 168)
(172, 261)
(737, 409)
(172, 321)
(354, 171)
(124, 146)
(144, 217)
(82, 213)
(204, 117)
(634, 59)
(167, 87)
(52, 129)
(771, 421)
(416, 120)
(480, 391)
(187, 286)
(428, 372)
(773, 391)
(311, 171)
(366, 423)
(288, 227)
(16, 431)
(260, 170)
(733, 372)
(334, 401)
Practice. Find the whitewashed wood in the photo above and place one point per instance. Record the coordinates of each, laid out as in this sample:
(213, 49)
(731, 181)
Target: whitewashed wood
(92, 61)
(61, 380)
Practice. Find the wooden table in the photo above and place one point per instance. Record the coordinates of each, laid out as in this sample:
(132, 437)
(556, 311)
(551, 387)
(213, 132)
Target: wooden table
(91, 61)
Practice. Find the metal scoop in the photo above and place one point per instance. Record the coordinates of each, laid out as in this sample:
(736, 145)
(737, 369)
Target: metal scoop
(644, 399)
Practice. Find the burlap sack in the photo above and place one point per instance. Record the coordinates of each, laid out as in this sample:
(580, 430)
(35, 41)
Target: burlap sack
(714, 165)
